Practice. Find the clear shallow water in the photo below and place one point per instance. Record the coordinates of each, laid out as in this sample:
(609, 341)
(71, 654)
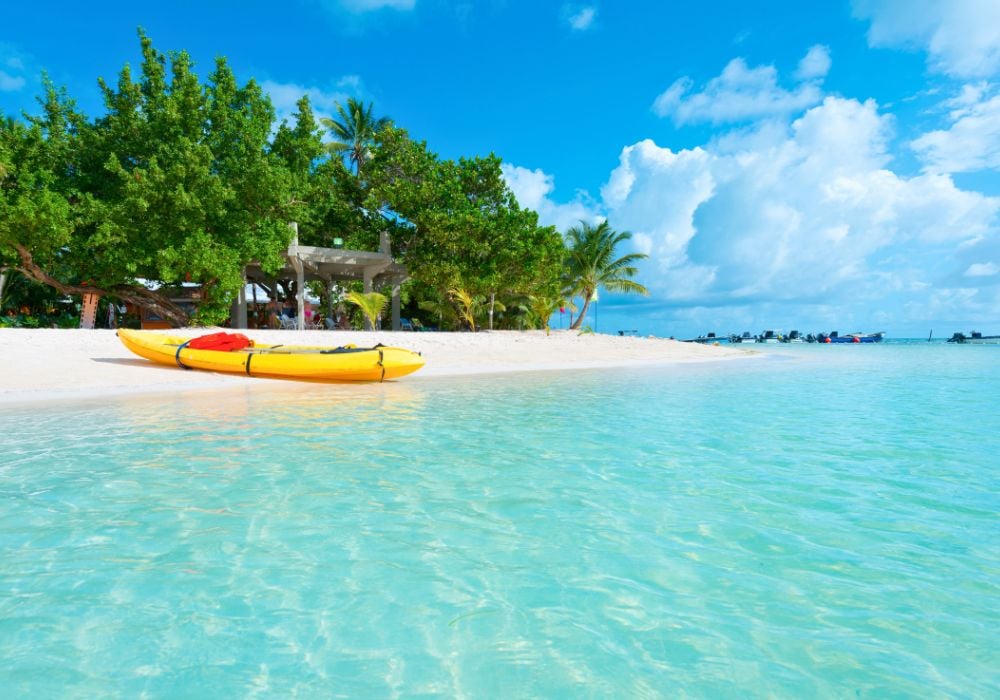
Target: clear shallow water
(823, 522)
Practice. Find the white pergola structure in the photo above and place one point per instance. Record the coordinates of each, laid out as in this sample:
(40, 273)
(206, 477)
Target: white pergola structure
(328, 265)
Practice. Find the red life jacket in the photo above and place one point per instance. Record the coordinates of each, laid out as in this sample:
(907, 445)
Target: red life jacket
(224, 342)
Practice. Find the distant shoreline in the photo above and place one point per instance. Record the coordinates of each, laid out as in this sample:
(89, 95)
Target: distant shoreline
(55, 364)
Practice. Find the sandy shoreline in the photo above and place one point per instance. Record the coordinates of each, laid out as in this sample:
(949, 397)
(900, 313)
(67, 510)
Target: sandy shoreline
(50, 364)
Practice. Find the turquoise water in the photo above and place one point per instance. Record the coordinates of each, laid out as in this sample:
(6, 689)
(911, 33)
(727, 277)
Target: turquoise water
(820, 522)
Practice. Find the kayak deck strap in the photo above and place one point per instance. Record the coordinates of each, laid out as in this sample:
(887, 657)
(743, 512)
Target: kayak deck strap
(177, 355)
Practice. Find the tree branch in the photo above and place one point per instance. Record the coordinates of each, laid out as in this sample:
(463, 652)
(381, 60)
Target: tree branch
(132, 294)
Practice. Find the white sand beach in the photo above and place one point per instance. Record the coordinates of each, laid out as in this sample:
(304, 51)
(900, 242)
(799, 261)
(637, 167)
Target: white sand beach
(52, 364)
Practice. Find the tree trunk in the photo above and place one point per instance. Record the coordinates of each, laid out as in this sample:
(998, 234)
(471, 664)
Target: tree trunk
(492, 300)
(582, 315)
(3, 282)
(139, 296)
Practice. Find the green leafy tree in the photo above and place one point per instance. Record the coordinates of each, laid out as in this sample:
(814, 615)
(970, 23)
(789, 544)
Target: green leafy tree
(40, 202)
(506, 248)
(182, 180)
(4, 172)
(456, 224)
(299, 148)
(175, 182)
(337, 208)
(354, 131)
(327, 201)
(593, 265)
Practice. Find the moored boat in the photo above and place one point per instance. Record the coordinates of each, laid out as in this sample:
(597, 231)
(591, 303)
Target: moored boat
(347, 363)
(974, 338)
(745, 338)
(703, 339)
(770, 337)
(835, 337)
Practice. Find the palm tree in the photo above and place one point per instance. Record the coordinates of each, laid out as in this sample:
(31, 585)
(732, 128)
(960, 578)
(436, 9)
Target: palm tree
(443, 311)
(371, 304)
(539, 306)
(465, 303)
(354, 131)
(471, 310)
(592, 263)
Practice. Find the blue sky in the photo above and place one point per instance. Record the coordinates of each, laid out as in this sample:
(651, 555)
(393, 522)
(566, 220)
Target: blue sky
(817, 166)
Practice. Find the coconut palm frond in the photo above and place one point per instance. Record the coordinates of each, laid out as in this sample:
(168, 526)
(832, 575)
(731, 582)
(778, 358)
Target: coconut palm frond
(626, 287)
(372, 305)
(354, 131)
(465, 303)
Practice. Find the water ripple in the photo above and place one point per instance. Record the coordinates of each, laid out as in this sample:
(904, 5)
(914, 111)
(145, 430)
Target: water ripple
(827, 525)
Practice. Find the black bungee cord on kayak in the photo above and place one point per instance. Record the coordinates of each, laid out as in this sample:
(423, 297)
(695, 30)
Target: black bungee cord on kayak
(177, 355)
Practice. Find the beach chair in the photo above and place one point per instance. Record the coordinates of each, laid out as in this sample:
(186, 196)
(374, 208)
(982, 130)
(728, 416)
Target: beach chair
(416, 325)
(405, 325)
(330, 325)
(287, 324)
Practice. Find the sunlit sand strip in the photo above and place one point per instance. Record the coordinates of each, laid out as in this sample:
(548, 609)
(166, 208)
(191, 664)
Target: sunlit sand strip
(49, 364)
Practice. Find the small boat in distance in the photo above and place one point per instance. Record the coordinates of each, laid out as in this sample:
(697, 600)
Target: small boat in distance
(975, 338)
(703, 339)
(745, 338)
(770, 337)
(835, 337)
(794, 337)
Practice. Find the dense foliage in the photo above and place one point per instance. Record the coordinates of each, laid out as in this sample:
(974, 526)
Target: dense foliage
(181, 180)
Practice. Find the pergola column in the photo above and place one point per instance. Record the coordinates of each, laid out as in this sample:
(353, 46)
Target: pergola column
(300, 296)
(396, 325)
(300, 278)
(368, 275)
(329, 299)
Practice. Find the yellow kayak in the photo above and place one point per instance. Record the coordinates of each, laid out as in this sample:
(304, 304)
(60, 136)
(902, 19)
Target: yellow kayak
(347, 364)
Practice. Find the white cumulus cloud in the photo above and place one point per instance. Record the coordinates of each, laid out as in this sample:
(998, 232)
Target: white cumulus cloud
(972, 141)
(815, 64)
(961, 37)
(284, 97)
(369, 5)
(583, 18)
(12, 69)
(533, 190)
(808, 214)
(743, 93)
(982, 270)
